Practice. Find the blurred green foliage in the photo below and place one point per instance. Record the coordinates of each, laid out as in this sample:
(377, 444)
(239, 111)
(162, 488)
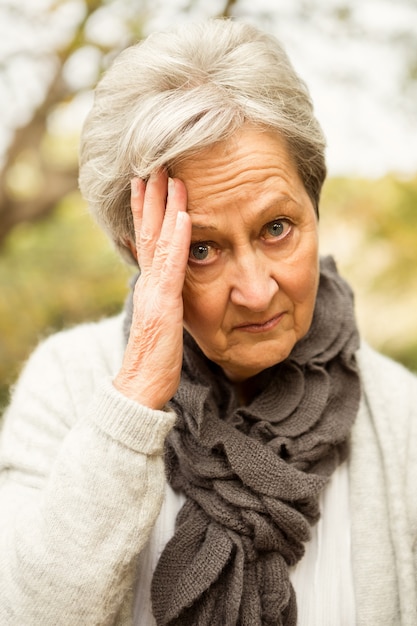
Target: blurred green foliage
(62, 270)
(371, 228)
(54, 273)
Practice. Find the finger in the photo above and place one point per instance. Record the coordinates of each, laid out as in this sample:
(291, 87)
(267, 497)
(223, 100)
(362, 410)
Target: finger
(172, 275)
(137, 192)
(176, 201)
(154, 206)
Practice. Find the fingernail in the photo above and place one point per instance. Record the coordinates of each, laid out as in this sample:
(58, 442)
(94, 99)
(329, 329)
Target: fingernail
(171, 186)
(180, 220)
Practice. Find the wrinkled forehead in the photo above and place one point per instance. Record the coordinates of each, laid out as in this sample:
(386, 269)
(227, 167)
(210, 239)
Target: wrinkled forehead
(244, 168)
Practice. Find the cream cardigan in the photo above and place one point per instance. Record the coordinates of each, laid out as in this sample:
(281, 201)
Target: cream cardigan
(76, 458)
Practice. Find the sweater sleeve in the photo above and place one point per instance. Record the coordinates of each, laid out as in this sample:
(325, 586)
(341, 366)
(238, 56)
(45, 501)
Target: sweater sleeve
(81, 485)
(383, 472)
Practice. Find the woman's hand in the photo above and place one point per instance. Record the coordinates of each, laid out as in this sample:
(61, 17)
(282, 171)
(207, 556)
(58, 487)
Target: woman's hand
(151, 367)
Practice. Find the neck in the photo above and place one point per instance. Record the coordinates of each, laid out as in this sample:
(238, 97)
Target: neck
(247, 390)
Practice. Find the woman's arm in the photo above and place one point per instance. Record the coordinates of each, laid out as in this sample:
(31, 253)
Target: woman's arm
(81, 457)
(82, 481)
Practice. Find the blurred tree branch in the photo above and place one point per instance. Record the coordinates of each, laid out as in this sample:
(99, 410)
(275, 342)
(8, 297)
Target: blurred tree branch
(55, 184)
(55, 181)
(228, 8)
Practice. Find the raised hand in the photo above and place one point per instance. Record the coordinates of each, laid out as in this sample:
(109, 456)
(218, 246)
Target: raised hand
(151, 367)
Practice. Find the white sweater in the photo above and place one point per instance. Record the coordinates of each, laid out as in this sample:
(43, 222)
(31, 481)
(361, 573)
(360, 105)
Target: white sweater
(82, 481)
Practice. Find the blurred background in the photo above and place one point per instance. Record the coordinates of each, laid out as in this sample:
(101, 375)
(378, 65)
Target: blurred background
(359, 58)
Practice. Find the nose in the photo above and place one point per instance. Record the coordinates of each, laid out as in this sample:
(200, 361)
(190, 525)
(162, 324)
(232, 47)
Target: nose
(253, 284)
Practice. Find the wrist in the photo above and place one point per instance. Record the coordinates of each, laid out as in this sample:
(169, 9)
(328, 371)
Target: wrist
(134, 390)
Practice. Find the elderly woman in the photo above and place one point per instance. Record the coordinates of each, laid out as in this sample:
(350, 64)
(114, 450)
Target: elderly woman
(222, 453)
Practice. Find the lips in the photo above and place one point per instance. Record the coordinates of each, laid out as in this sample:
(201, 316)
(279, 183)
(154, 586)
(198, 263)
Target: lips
(260, 327)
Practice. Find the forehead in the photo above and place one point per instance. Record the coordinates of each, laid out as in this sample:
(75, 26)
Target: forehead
(249, 166)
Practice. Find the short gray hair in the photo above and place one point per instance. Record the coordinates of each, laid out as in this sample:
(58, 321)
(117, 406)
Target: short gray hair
(175, 93)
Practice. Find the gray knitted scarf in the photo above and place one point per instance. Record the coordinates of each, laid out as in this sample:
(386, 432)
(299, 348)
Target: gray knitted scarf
(252, 474)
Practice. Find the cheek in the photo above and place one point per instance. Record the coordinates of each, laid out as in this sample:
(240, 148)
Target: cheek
(299, 281)
(203, 308)
(304, 297)
(305, 284)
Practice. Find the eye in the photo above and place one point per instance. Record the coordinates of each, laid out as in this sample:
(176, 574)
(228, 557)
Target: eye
(201, 251)
(277, 229)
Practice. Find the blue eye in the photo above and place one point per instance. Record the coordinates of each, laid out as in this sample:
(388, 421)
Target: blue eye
(199, 251)
(276, 229)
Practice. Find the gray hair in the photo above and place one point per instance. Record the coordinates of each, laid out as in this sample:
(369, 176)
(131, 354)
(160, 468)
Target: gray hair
(175, 93)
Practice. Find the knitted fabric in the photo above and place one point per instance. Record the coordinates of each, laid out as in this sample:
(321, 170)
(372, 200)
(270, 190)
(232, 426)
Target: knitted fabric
(252, 474)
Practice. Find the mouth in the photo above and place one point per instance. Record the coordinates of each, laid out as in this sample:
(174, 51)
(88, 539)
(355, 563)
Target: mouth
(260, 327)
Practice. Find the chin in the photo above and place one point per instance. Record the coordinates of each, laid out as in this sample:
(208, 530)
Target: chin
(237, 372)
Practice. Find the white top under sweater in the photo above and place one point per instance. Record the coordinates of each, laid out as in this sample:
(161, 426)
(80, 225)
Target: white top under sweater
(82, 482)
(323, 583)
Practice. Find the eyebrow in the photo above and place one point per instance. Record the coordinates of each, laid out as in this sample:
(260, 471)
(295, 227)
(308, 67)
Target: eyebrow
(197, 226)
(283, 200)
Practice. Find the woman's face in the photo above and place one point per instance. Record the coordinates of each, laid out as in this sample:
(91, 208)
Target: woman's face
(252, 276)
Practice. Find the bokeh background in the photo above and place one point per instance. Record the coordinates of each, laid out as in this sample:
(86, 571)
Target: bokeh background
(359, 58)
